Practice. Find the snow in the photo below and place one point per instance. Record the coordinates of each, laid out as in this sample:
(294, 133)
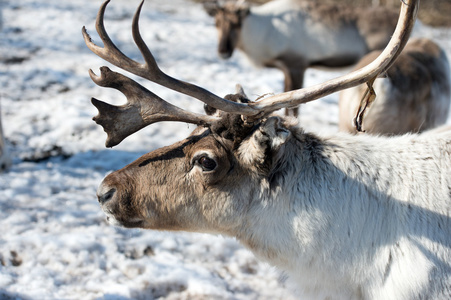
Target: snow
(54, 240)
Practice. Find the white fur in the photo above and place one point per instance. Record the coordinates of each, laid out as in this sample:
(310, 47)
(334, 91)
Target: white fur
(359, 217)
(280, 27)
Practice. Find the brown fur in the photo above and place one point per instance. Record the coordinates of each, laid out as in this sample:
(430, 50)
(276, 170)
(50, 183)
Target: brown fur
(333, 14)
(367, 20)
(182, 181)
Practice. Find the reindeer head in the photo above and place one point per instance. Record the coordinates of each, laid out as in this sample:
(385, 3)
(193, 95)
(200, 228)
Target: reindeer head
(171, 188)
(204, 183)
(211, 179)
(228, 20)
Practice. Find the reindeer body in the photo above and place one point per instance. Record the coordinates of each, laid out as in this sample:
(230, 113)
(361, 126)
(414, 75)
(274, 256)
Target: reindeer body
(414, 96)
(348, 222)
(281, 30)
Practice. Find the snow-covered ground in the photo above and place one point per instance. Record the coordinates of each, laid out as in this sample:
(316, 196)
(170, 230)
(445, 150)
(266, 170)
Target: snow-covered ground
(54, 241)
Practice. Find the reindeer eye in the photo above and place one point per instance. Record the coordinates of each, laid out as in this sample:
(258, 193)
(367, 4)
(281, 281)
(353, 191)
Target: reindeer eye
(207, 163)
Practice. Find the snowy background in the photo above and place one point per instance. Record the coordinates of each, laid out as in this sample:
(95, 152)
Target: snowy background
(54, 241)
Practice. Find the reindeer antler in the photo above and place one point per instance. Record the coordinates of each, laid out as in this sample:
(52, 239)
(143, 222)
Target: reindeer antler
(144, 107)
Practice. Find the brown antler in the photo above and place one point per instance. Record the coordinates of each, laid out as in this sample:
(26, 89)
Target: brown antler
(142, 108)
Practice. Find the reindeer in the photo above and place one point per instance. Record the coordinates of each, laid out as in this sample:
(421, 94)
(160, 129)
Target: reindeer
(293, 35)
(413, 96)
(346, 216)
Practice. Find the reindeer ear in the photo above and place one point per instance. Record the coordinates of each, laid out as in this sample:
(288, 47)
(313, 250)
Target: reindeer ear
(239, 90)
(273, 133)
(268, 138)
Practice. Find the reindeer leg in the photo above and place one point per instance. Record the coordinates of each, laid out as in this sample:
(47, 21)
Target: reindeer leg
(293, 69)
(294, 80)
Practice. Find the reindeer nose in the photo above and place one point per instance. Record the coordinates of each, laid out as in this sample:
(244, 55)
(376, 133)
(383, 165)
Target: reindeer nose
(105, 193)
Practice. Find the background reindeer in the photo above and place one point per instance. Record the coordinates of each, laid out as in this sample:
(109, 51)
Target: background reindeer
(344, 215)
(294, 35)
(413, 96)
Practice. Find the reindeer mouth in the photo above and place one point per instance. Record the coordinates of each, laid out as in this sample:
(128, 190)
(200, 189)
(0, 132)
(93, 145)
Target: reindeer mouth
(131, 223)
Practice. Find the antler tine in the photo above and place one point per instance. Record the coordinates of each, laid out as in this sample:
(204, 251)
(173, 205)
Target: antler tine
(142, 108)
(109, 52)
(151, 63)
(150, 69)
(379, 65)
